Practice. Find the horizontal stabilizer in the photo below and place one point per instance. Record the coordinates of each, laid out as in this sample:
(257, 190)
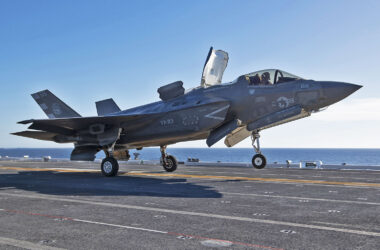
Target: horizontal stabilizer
(53, 106)
(106, 107)
(40, 135)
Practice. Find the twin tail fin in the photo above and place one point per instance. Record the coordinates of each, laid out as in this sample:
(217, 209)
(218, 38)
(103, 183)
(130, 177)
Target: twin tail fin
(53, 106)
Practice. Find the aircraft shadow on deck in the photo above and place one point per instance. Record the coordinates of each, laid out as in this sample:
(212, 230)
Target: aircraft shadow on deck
(94, 184)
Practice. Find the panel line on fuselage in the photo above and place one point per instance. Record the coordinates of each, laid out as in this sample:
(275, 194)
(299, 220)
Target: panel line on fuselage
(211, 115)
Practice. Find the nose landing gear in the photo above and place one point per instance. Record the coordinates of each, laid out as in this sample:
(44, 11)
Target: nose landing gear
(258, 160)
(168, 162)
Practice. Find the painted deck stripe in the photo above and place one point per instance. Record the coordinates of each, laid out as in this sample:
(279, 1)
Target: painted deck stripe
(175, 234)
(50, 169)
(139, 229)
(120, 226)
(303, 198)
(359, 184)
(199, 214)
(25, 244)
(342, 225)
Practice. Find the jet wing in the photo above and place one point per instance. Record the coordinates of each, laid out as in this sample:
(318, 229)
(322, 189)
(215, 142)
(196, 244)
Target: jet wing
(40, 135)
(278, 118)
(271, 120)
(67, 126)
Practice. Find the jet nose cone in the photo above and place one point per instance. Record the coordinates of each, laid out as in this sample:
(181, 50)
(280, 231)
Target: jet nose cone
(337, 91)
(348, 88)
(355, 87)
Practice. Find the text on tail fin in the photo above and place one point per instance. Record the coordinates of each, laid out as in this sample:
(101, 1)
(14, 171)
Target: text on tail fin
(53, 106)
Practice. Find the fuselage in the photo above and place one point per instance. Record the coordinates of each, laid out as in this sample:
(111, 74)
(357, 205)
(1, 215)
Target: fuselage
(195, 114)
(213, 111)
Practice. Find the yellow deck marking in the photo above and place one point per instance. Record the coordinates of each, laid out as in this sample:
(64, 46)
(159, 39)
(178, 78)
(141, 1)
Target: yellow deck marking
(364, 184)
(360, 184)
(51, 169)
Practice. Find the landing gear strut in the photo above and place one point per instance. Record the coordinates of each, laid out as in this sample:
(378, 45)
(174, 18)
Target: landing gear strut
(109, 166)
(169, 162)
(127, 155)
(258, 160)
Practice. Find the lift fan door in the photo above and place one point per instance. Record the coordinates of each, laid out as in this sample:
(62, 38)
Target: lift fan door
(213, 70)
(171, 90)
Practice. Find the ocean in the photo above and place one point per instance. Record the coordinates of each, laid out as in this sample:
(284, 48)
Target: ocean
(280, 155)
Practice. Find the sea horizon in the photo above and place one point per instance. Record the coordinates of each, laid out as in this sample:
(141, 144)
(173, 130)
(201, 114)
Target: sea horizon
(354, 156)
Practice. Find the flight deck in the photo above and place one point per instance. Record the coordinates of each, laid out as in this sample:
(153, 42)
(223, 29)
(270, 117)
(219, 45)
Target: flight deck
(70, 205)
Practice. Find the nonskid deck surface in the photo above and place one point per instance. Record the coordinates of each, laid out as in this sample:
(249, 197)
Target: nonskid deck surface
(70, 205)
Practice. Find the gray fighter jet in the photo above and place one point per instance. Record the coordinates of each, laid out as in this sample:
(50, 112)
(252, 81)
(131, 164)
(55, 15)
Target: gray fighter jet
(214, 110)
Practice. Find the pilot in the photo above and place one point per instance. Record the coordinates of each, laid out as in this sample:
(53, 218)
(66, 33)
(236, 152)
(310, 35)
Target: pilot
(265, 78)
(254, 80)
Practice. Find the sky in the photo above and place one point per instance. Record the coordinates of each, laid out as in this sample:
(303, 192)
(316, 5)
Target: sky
(86, 51)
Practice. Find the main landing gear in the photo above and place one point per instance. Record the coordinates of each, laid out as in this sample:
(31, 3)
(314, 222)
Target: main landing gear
(169, 162)
(109, 165)
(258, 160)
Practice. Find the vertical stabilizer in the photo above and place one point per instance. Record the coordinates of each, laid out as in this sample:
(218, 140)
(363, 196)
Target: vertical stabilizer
(53, 106)
(106, 107)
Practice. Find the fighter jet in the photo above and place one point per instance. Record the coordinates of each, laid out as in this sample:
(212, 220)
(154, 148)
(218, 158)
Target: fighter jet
(213, 110)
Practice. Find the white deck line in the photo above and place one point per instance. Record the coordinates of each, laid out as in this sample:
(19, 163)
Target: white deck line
(121, 226)
(25, 244)
(303, 198)
(199, 214)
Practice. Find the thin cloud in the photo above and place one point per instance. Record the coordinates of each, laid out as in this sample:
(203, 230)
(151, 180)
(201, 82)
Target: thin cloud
(365, 109)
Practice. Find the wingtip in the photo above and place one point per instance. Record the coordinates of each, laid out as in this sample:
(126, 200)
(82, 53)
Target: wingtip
(15, 133)
(26, 121)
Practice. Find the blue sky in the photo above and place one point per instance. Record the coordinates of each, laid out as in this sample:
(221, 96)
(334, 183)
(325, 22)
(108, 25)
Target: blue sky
(85, 51)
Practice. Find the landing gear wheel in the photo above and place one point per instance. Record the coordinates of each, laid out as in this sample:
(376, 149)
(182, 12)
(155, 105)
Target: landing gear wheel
(169, 163)
(109, 167)
(259, 161)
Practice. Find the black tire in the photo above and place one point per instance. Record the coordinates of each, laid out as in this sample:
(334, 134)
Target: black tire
(170, 165)
(109, 167)
(259, 161)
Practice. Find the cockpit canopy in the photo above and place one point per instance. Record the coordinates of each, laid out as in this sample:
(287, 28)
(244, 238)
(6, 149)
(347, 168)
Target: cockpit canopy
(216, 63)
(270, 76)
(214, 67)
